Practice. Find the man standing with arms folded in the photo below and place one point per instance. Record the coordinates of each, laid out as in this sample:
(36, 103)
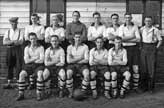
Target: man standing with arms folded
(151, 41)
(74, 27)
(131, 36)
(13, 39)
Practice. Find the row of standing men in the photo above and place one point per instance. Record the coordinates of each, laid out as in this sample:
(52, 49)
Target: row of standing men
(148, 36)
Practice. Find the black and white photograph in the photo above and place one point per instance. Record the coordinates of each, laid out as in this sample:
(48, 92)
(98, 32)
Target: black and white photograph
(81, 54)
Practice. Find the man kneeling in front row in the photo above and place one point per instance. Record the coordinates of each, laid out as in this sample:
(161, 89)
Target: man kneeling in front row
(117, 60)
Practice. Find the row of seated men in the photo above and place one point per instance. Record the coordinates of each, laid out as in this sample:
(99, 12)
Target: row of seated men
(77, 53)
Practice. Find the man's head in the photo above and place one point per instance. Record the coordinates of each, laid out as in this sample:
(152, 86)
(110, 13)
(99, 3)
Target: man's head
(99, 42)
(77, 38)
(34, 18)
(148, 21)
(97, 17)
(14, 22)
(33, 38)
(118, 42)
(128, 17)
(54, 41)
(55, 19)
(115, 18)
(76, 16)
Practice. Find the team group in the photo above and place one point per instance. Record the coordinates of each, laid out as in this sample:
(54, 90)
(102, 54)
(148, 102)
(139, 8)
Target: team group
(118, 52)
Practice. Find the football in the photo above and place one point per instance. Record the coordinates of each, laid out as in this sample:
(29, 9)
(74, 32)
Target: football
(79, 95)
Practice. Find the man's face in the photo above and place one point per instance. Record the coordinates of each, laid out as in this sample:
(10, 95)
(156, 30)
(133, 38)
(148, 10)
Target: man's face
(33, 39)
(14, 24)
(97, 18)
(128, 18)
(115, 19)
(76, 17)
(99, 43)
(55, 20)
(34, 19)
(77, 38)
(117, 43)
(54, 42)
(148, 22)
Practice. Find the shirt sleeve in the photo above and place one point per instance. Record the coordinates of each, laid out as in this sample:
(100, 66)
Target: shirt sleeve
(110, 57)
(21, 35)
(104, 31)
(158, 34)
(91, 56)
(62, 33)
(89, 35)
(68, 53)
(69, 35)
(47, 34)
(6, 36)
(84, 33)
(86, 53)
(137, 33)
(42, 31)
(125, 56)
(47, 54)
(26, 54)
(41, 56)
(62, 57)
(121, 32)
(26, 33)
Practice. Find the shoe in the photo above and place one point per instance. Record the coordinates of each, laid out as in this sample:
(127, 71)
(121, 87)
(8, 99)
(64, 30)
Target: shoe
(114, 95)
(61, 94)
(31, 87)
(70, 95)
(7, 86)
(94, 94)
(20, 97)
(107, 95)
(39, 97)
(138, 91)
(122, 94)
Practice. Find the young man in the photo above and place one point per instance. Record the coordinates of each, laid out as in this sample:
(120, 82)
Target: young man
(74, 27)
(36, 28)
(131, 36)
(34, 59)
(13, 39)
(55, 29)
(39, 30)
(117, 60)
(77, 59)
(151, 41)
(97, 29)
(54, 62)
(112, 31)
(98, 61)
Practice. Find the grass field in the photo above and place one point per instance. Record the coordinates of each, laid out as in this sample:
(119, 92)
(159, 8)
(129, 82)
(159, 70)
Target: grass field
(133, 100)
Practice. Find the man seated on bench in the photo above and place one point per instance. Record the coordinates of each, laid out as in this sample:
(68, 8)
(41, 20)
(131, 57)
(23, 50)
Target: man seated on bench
(77, 59)
(117, 60)
(98, 61)
(54, 62)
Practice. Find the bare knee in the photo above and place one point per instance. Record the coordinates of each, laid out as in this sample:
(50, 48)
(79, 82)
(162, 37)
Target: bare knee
(127, 75)
(62, 74)
(107, 75)
(93, 74)
(86, 74)
(69, 74)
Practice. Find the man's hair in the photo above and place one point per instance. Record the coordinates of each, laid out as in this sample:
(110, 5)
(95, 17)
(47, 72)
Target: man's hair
(149, 17)
(118, 38)
(114, 15)
(99, 37)
(96, 13)
(127, 13)
(55, 36)
(76, 12)
(32, 34)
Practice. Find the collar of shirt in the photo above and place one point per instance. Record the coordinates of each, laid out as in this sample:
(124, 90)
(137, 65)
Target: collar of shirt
(150, 30)
(131, 24)
(93, 24)
(78, 22)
